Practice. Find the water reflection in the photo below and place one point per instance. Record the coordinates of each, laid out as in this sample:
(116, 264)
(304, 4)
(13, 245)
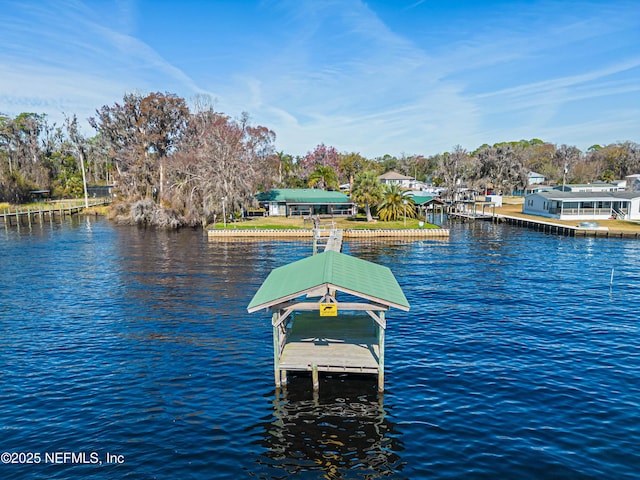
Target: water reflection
(343, 431)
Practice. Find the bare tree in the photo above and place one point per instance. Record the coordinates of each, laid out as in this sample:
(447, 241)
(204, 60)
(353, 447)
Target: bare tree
(78, 142)
(567, 157)
(219, 165)
(451, 169)
(141, 133)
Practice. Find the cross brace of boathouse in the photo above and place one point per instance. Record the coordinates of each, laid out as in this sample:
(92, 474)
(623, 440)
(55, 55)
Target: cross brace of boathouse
(314, 330)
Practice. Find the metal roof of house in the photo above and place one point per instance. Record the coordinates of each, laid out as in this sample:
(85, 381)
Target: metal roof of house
(303, 195)
(572, 186)
(335, 271)
(587, 196)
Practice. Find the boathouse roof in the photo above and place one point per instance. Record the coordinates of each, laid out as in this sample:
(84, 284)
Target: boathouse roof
(332, 271)
(423, 200)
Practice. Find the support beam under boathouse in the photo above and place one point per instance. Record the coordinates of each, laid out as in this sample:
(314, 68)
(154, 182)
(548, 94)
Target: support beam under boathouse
(315, 332)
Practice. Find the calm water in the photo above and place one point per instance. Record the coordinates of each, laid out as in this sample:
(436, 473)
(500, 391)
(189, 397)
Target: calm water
(517, 360)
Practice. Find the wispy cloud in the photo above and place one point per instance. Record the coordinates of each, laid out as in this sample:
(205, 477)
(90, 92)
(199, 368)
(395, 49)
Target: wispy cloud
(74, 62)
(419, 77)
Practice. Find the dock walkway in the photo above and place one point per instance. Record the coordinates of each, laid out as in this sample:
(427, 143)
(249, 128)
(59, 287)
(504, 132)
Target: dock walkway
(560, 229)
(348, 344)
(37, 214)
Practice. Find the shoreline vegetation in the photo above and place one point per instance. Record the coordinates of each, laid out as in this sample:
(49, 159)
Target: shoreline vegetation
(174, 163)
(512, 207)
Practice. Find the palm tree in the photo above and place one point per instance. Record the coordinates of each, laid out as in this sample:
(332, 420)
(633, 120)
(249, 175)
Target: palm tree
(367, 191)
(323, 177)
(395, 204)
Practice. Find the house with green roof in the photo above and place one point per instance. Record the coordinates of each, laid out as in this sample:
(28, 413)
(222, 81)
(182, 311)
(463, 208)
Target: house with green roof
(306, 201)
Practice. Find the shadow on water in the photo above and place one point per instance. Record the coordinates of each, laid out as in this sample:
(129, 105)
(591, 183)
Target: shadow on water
(343, 431)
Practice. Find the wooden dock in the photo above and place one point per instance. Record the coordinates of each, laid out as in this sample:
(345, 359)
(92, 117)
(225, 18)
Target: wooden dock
(348, 344)
(546, 226)
(27, 216)
(565, 230)
(327, 239)
(470, 216)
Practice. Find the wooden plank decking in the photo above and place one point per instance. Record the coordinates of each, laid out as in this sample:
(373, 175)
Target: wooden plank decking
(347, 343)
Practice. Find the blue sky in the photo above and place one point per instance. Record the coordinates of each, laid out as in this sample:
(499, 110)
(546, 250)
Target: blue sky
(375, 77)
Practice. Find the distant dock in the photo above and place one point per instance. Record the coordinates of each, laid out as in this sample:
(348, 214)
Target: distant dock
(27, 216)
(566, 230)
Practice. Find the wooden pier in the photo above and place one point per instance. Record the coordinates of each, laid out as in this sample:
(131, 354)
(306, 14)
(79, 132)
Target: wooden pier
(546, 226)
(27, 216)
(315, 332)
(565, 230)
(327, 238)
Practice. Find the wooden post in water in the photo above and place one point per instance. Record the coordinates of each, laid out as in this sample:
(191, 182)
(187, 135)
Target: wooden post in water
(381, 350)
(314, 378)
(276, 350)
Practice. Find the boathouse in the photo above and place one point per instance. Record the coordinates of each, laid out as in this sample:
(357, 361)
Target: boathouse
(314, 330)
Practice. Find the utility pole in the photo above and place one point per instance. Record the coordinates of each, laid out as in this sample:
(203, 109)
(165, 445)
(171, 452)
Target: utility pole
(224, 215)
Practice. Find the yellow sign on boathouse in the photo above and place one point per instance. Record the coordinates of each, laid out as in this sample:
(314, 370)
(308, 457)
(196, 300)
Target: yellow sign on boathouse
(328, 309)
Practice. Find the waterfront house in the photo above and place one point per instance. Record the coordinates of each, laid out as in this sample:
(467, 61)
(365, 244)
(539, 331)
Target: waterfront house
(395, 178)
(306, 201)
(535, 178)
(583, 205)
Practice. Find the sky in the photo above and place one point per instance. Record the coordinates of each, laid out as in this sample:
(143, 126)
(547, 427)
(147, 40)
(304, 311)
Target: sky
(397, 77)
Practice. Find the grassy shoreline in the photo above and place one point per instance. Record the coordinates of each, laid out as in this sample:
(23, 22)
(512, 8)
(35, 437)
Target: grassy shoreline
(513, 209)
(292, 223)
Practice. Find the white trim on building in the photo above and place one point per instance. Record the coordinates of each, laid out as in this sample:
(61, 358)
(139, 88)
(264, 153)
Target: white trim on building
(589, 187)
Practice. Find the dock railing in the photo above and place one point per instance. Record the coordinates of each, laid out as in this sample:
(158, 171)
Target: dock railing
(38, 211)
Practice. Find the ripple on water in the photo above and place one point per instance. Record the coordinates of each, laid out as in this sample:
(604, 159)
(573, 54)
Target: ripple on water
(517, 360)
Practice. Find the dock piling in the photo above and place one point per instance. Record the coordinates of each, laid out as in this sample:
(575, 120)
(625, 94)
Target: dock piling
(314, 378)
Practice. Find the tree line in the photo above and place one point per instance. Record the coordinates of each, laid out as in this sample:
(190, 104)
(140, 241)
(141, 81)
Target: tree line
(176, 164)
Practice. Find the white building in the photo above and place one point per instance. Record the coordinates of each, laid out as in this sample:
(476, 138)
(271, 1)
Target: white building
(536, 178)
(396, 178)
(583, 205)
(633, 182)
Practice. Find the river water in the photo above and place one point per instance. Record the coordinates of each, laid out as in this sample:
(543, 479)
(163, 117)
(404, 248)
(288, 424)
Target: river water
(128, 353)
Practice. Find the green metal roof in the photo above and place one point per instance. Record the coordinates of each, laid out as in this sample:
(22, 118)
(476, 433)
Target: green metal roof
(419, 200)
(302, 195)
(333, 270)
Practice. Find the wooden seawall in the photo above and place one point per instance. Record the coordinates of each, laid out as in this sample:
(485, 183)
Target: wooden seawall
(347, 233)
